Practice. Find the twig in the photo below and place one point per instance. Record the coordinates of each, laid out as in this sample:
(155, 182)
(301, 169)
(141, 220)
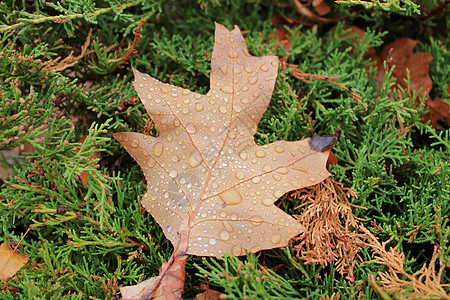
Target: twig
(302, 76)
(65, 18)
(131, 49)
(69, 61)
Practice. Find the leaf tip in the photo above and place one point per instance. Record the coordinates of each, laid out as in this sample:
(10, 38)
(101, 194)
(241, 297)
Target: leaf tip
(323, 144)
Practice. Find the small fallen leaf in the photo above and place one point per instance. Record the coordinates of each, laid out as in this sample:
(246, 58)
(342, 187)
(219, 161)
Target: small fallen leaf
(403, 58)
(304, 11)
(209, 294)
(321, 7)
(438, 110)
(10, 261)
(209, 186)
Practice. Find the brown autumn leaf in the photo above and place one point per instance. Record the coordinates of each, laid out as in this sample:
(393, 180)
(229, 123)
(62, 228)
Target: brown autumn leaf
(403, 58)
(321, 7)
(209, 294)
(10, 261)
(210, 187)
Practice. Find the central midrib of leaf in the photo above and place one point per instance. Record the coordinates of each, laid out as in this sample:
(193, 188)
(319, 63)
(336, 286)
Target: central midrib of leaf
(210, 169)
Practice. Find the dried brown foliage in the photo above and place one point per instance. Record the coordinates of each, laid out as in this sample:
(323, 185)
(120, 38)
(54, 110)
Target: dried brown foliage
(332, 228)
(423, 284)
(57, 65)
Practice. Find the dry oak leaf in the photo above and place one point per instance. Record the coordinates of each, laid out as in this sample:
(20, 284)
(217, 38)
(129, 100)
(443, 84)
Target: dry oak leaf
(10, 261)
(210, 187)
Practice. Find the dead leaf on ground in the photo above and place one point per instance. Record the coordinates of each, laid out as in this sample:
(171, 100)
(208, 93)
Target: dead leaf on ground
(321, 7)
(209, 294)
(10, 261)
(281, 35)
(399, 53)
(438, 110)
(403, 58)
(210, 187)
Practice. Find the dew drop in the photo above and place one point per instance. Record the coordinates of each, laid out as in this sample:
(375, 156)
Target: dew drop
(278, 193)
(212, 241)
(236, 250)
(151, 162)
(256, 220)
(245, 100)
(195, 159)
(134, 144)
(228, 226)
(227, 89)
(190, 128)
(283, 170)
(256, 179)
(158, 149)
(173, 173)
(267, 168)
(240, 175)
(199, 106)
(233, 53)
(267, 202)
(243, 155)
(252, 80)
(223, 69)
(231, 197)
(279, 149)
(276, 238)
(312, 179)
(223, 214)
(174, 158)
(224, 235)
(233, 216)
(264, 68)
(169, 229)
(223, 109)
(260, 153)
(248, 69)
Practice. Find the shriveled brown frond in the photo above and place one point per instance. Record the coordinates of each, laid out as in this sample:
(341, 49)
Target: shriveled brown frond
(55, 65)
(332, 234)
(424, 284)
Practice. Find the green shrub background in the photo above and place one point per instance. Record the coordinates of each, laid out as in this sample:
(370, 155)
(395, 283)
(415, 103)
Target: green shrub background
(105, 240)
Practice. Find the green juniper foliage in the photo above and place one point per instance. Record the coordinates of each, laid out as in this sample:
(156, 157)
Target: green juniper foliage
(78, 192)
